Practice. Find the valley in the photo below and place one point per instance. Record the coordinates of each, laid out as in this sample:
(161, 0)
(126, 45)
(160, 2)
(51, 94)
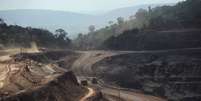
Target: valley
(132, 51)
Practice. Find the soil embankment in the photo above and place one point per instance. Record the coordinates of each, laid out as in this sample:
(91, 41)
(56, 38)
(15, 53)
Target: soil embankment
(38, 77)
(63, 88)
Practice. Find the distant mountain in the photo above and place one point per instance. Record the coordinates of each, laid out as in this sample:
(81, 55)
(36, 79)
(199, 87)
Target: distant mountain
(70, 21)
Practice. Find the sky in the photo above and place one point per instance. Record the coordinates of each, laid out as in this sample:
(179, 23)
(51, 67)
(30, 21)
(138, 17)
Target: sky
(75, 5)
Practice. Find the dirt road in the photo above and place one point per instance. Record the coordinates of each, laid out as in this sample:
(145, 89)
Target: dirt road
(82, 66)
(129, 96)
(90, 93)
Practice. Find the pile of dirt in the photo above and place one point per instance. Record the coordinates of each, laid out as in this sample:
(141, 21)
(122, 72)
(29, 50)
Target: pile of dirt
(37, 77)
(63, 88)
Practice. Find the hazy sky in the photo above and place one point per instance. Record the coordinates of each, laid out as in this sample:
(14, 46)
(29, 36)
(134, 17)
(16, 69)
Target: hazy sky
(75, 5)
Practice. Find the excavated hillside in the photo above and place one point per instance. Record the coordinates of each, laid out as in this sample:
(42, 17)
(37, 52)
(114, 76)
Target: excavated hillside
(39, 77)
(175, 75)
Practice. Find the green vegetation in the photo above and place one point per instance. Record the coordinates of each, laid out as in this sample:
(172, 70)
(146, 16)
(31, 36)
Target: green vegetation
(164, 27)
(17, 36)
(148, 23)
(183, 15)
(154, 40)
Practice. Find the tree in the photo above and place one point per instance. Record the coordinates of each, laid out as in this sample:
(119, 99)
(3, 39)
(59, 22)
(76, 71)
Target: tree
(149, 9)
(110, 22)
(92, 28)
(62, 39)
(2, 23)
(132, 17)
(80, 35)
(61, 34)
(120, 20)
(79, 41)
(142, 18)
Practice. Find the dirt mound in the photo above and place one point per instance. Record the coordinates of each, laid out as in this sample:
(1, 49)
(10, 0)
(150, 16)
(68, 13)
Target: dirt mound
(63, 88)
(37, 77)
(21, 75)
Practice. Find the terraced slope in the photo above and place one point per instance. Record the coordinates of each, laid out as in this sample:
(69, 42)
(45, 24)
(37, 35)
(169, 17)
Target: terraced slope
(171, 74)
(84, 67)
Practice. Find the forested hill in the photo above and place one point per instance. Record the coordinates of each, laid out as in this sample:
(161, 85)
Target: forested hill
(155, 40)
(149, 23)
(17, 36)
(166, 27)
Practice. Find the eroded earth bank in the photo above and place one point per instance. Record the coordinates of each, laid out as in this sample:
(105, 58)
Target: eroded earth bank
(39, 77)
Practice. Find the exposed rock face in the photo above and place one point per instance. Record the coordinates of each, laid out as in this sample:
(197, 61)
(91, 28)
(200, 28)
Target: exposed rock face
(175, 75)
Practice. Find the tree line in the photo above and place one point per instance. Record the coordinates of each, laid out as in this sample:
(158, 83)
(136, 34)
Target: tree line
(148, 22)
(17, 36)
